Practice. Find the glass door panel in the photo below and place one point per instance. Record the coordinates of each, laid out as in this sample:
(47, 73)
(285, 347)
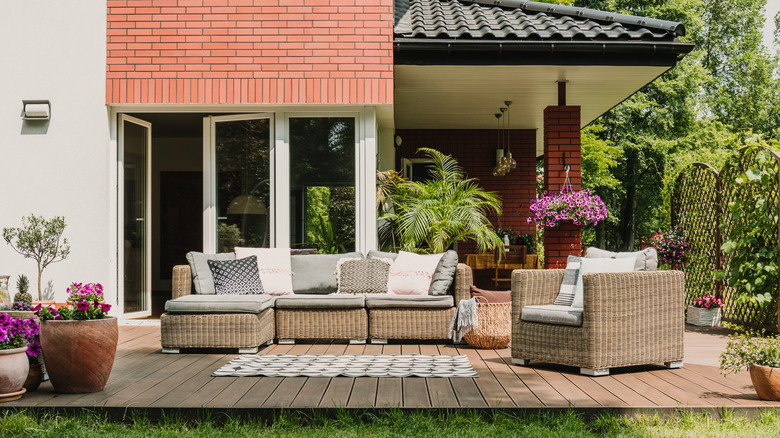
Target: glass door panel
(135, 143)
(242, 155)
(322, 183)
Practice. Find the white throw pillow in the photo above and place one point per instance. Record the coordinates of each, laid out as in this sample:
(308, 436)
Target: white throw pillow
(599, 265)
(411, 274)
(274, 267)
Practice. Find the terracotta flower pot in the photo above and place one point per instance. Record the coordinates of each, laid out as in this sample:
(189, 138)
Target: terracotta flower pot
(13, 369)
(79, 354)
(34, 377)
(766, 382)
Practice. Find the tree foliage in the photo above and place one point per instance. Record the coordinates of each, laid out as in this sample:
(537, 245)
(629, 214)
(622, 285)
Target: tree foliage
(725, 90)
(39, 239)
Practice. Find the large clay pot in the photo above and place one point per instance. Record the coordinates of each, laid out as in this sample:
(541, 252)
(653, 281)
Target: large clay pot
(13, 369)
(79, 354)
(766, 382)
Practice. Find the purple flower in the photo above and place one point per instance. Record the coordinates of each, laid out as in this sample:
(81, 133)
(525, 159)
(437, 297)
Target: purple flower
(82, 305)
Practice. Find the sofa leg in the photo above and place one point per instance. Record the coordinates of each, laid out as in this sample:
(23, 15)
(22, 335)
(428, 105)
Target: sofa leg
(170, 350)
(357, 341)
(379, 341)
(286, 341)
(594, 373)
(269, 342)
(674, 364)
(250, 350)
(521, 362)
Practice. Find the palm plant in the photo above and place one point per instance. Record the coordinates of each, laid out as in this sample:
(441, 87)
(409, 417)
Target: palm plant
(432, 215)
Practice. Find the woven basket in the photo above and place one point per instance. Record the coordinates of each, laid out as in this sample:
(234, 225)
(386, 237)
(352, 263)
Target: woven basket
(493, 328)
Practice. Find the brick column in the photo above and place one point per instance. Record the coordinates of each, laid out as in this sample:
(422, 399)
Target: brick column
(561, 144)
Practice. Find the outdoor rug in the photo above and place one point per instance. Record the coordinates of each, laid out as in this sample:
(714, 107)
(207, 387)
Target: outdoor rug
(286, 365)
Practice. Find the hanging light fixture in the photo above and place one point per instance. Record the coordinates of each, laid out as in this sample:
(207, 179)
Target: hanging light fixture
(498, 170)
(512, 162)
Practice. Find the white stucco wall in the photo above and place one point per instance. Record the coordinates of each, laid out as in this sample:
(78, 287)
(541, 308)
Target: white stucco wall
(55, 50)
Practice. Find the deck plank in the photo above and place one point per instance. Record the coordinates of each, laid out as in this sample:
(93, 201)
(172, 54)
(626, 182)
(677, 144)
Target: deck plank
(259, 392)
(415, 392)
(363, 392)
(441, 393)
(285, 393)
(338, 392)
(206, 366)
(311, 393)
(520, 393)
(388, 393)
(492, 391)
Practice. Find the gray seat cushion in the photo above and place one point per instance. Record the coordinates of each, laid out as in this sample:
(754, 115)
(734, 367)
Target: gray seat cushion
(315, 273)
(205, 303)
(414, 301)
(319, 301)
(646, 260)
(201, 273)
(552, 314)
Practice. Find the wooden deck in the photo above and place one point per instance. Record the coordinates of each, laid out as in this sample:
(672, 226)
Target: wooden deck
(144, 378)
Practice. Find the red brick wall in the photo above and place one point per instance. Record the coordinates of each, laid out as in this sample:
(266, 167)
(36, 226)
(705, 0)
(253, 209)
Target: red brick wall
(475, 152)
(561, 141)
(249, 51)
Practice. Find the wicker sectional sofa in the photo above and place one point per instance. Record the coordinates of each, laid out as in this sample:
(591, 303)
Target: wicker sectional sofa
(313, 312)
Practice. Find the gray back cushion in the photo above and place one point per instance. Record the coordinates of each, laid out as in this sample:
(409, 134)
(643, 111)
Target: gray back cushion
(646, 260)
(315, 273)
(374, 254)
(201, 273)
(444, 275)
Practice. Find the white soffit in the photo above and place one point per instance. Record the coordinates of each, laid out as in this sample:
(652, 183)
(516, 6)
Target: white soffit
(466, 97)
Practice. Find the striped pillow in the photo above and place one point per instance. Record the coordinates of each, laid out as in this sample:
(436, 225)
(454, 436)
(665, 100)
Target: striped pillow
(566, 292)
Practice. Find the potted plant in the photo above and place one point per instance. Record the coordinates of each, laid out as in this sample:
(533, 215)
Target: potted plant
(580, 207)
(41, 240)
(761, 356)
(16, 334)
(705, 311)
(671, 246)
(79, 340)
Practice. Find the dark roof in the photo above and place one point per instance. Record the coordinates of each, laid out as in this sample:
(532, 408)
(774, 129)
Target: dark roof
(528, 26)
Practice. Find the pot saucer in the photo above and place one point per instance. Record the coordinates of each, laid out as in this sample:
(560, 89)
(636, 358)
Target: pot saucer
(11, 396)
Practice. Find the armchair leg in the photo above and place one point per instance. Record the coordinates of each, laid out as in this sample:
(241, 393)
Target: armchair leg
(521, 362)
(594, 373)
(674, 364)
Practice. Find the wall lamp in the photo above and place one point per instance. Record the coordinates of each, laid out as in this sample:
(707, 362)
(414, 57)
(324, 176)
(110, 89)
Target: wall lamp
(36, 110)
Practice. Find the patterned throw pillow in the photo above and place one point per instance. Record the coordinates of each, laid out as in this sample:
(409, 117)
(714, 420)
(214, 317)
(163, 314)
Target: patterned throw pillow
(362, 276)
(566, 292)
(236, 277)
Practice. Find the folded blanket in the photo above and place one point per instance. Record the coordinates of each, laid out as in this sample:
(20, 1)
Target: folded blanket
(465, 319)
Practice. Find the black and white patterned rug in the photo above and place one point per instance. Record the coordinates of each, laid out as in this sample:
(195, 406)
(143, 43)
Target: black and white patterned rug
(286, 365)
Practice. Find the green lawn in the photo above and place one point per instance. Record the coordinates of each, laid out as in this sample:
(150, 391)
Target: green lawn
(394, 424)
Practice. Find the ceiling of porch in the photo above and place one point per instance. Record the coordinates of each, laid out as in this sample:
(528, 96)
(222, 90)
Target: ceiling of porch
(468, 96)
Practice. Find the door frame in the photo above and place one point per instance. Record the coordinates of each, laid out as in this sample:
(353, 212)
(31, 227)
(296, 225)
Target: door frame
(210, 219)
(121, 214)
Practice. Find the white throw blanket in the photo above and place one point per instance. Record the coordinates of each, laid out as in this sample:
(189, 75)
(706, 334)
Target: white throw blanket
(465, 319)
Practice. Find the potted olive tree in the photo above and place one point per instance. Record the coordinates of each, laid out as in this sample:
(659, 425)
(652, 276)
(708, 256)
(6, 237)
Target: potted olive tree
(39, 239)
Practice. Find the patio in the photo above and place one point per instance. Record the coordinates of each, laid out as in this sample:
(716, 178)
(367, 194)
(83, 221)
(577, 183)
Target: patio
(143, 378)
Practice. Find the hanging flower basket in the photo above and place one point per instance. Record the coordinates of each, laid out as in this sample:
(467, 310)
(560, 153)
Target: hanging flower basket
(581, 207)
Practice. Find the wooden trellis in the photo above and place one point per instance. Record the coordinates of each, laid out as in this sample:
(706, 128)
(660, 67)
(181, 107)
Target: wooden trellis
(700, 203)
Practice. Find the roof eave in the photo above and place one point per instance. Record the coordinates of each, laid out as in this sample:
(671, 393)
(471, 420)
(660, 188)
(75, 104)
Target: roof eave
(475, 52)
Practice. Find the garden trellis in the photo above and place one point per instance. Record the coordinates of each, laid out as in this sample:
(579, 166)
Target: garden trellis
(731, 219)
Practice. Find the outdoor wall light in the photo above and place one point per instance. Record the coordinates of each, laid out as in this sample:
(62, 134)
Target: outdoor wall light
(36, 110)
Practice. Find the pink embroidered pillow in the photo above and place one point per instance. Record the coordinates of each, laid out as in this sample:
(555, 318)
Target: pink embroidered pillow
(274, 267)
(411, 274)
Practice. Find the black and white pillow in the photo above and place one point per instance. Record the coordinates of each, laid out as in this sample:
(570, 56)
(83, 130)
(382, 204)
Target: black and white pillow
(566, 292)
(362, 276)
(236, 277)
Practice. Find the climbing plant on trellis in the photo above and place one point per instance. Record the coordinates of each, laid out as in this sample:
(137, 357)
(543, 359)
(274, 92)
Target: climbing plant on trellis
(731, 219)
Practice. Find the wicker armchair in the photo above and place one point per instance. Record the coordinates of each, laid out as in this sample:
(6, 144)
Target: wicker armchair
(631, 318)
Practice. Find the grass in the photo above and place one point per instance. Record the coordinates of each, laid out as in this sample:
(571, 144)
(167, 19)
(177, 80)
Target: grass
(390, 424)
